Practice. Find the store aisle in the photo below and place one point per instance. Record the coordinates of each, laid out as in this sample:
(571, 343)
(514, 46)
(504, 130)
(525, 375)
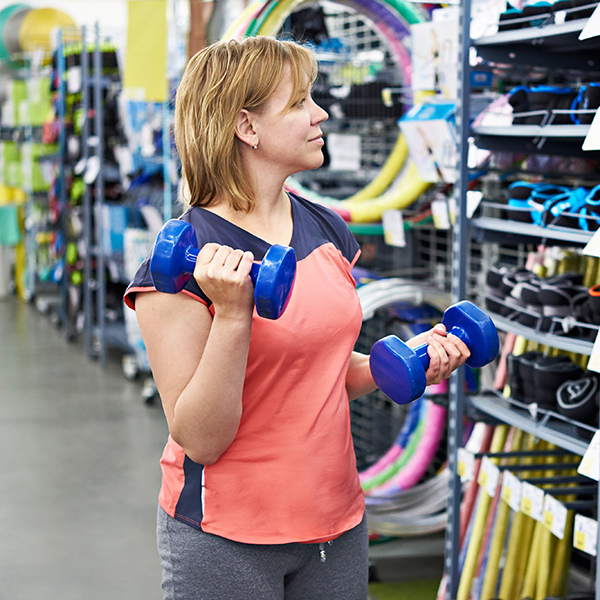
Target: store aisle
(79, 472)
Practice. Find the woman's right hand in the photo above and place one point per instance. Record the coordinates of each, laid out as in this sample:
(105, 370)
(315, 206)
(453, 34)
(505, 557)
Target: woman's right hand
(223, 274)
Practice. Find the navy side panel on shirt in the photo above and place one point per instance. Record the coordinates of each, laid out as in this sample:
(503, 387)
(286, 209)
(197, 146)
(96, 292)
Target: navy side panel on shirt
(190, 505)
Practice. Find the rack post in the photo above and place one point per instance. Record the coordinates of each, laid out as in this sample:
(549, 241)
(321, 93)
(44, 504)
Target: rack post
(459, 278)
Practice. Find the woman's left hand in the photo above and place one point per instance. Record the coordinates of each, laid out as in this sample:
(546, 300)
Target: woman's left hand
(446, 352)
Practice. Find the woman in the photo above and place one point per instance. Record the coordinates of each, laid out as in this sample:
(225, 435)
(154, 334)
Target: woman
(260, 497)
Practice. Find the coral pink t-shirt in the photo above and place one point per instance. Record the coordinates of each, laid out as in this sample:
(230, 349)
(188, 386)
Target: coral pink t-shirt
(290, 473)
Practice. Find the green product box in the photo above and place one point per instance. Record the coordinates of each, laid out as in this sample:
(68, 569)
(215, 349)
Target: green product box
(34, 113)
(10, 164)
(17, 94)
(33, 171)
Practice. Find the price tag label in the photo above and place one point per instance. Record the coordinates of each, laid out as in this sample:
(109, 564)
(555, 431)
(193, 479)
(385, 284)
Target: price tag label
(592, 248)
(393, 228)
(74, 80)
(586, 535)
(439, 212)
(555, 516)
(532, 501)
(489, 474)
(466, 465)
(592, 139)
(511, 490)
(473, 201)
(592, 27)
(590, 463)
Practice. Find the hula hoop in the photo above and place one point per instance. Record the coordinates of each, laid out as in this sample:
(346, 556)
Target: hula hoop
(392, 19)
(392, 455)
(417, 465)
(371, 487)
(5, 14)
(406, 443)
(422, 508)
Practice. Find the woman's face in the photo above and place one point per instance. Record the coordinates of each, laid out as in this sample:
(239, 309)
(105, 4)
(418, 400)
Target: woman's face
(290, 139)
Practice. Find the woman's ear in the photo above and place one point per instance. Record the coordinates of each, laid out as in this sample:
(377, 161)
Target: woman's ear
(244, 129)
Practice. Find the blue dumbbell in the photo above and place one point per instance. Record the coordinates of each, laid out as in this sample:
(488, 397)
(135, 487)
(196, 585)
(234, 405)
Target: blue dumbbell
(174, 258)
(399, 371)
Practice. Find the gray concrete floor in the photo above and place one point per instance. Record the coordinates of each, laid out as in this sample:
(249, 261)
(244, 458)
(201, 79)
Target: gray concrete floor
(79, 473)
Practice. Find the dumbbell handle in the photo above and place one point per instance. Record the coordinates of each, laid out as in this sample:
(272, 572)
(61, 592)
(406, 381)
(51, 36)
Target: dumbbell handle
(191, 255)
(421, 351)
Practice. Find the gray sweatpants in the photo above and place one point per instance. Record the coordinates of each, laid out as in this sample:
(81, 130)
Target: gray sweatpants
(202, 566)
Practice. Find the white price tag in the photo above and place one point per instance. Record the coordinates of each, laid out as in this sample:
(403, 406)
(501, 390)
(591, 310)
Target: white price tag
(555, 516)
(532, 501)
(393, 228)
(592, 139)
(466, 465)
(592, 27)
(511, 490)
(473, 201)
(590, 463)
(592, 248)
(489, 474)
(585, 536)
(439, 212)
(344, 152)
(594, 361)
(74, 79)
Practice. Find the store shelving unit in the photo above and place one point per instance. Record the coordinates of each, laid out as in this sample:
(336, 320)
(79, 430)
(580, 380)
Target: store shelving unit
(89, 315)
(541, 46)
(544, 424)
(484, 225)
(29, 70)
(549, 45)
(363, 114)
(549, 339)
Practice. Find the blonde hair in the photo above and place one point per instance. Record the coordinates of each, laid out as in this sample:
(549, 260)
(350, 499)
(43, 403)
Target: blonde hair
(219, 82)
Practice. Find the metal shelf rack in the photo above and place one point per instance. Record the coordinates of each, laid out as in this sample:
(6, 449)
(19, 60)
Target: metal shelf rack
(544, 424)
(551, 234)
(556, 46)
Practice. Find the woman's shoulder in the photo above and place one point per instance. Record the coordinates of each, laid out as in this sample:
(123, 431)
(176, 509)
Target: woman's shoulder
(324, 215)
(313, 216)
(325, 212)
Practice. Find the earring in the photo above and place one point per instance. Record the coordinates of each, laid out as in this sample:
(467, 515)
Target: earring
(255, 147)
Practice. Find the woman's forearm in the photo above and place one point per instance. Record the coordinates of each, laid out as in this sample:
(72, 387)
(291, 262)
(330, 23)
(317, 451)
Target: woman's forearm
(359, 380)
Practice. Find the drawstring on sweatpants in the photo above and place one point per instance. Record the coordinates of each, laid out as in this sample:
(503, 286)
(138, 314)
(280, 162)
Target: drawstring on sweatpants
(322, 553)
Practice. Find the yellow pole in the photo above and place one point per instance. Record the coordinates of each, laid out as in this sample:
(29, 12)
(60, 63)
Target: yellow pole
(490, 580)
(471, 559)
(529, 583)
(562, 559)
(544, 562)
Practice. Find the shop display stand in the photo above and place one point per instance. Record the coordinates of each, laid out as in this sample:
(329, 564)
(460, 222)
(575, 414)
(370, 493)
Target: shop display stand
(459, 255)
(46, 294)
(69, 327)
(522, 46)
(87, 202)
(99, 333)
